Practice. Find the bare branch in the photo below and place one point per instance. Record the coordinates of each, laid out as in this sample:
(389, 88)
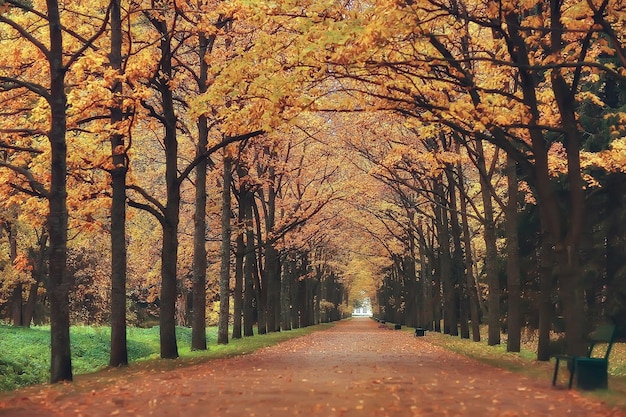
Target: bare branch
(37, 188)
(225, 142)
(4, 145)
(148, 198)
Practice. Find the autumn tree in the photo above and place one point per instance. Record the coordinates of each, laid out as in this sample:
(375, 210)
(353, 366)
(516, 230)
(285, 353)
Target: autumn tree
(539, 54)
(119, 352)
(53, 51)
(167, 28)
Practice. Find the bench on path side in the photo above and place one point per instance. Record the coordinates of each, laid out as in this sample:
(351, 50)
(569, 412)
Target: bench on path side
(591, 371)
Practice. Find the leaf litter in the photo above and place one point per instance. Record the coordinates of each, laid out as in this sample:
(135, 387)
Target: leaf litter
(352, 369)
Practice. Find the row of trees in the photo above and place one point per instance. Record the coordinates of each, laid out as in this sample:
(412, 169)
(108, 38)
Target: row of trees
(104, 113)
(446, 152)
(543, 85)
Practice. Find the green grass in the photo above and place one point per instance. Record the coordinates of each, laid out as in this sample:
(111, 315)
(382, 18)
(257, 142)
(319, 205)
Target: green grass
(25, 352)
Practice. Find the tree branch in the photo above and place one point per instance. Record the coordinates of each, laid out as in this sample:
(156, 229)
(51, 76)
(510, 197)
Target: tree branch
(148, 198)
(225, 142)
(38, 189)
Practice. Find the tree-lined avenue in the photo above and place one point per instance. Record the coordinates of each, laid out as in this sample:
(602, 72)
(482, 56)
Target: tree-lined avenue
(263, 165)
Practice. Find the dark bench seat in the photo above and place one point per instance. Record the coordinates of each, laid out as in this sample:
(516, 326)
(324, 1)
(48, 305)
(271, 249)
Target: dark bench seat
(591, 371)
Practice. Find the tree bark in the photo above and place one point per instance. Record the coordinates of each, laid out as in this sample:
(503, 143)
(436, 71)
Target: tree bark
(296, 285)
(272, 272)
(491, 255)
(224, 315)
(258, 274)
(450, 325)
(238, 292)
(616, 248)
(437, 289)
(119, 351)
(411, 294)
(457, 253)
(249, 266)
(17, 302)
(472, 291)
(59, 282)
(199, 267)
(426, 279)
(169, 249)
(38, 259)
(546, 308)
(426, 320)
(285, 294)
(514, 314)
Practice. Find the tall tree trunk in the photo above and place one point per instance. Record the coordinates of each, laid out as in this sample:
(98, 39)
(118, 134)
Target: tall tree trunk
(303, 319)
(491, 252)
(311, 302)
(426, 278)
(317, 302)
(396, 287)
(616, 248)
(437, 290)
(571, 283)
(167, 318)
(285, 294)
(327, 294)
(410, 285)
(450, 325)
(31, 301)
(514, 314)
(17, 302)
(426, 288)
(38, 259)
(296, 284)
(464, 307)
(261, 299)
(169, 249)
(198, 319)
(272, 271)
(224, 315)
(249, 266)
(238, 292)
(59, 282)
(546, 308)
(259, 275)
(457, 253)
(119, 351)
(472, 291)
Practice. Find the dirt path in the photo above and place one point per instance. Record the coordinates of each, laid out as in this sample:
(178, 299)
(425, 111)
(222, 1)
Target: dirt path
(353, 369)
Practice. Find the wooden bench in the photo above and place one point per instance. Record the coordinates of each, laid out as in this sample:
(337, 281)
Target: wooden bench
(591, 371)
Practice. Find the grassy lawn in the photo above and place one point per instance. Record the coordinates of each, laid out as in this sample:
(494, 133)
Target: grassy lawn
(526, 364)
(25, 353)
